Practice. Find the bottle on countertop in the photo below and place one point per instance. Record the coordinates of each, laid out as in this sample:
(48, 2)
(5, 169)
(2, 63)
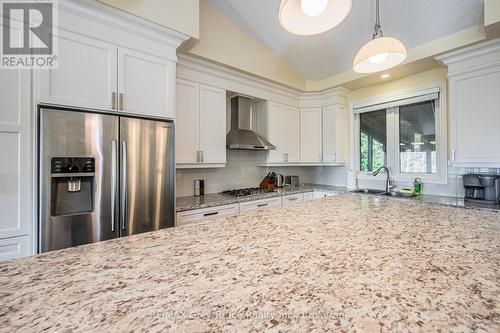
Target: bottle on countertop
(417, 186)
(199, 187)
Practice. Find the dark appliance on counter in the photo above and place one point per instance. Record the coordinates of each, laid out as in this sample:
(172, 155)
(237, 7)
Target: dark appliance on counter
(482, 188)
(292, 181)
(102, 176)
(247, 191)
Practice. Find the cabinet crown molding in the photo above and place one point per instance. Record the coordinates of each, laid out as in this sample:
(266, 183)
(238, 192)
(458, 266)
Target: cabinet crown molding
(115, 21)
(474, 58)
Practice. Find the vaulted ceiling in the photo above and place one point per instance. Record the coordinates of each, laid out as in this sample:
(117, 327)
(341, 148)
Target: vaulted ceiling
(414, 22)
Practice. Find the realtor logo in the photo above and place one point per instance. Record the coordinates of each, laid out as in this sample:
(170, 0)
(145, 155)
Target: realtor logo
(28, 30)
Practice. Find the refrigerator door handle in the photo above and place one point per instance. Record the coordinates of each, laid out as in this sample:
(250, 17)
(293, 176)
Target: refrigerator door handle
(114, 159)
(123, 178)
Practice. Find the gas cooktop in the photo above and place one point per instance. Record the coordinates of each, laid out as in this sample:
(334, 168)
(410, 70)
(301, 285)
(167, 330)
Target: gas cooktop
(247, 191)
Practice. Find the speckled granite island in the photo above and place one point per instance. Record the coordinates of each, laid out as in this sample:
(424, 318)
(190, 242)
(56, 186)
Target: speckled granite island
(345, 263)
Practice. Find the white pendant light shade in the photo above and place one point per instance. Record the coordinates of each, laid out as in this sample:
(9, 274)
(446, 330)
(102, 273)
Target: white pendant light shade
(379, 54)
(312, 17)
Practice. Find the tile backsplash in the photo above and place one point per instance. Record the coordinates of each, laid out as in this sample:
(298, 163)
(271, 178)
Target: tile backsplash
(243, 169)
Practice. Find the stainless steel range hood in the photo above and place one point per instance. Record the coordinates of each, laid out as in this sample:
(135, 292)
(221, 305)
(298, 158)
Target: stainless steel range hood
(241, 135)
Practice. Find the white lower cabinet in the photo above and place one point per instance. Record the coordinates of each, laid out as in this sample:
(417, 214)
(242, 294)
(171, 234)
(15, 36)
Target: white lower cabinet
(202, 215)
(205, 214)
(259, 204)
(308, 196)
(323, 194)
(16, 247)
(292, 199)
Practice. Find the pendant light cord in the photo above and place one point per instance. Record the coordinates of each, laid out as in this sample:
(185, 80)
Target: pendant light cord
(377, 27)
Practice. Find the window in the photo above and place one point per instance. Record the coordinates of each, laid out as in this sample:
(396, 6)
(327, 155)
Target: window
(417, 138)
(403, 134)
(373, 140)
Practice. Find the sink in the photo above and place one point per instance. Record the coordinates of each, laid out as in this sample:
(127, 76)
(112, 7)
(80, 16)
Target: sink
(370, 191)
(383, 192)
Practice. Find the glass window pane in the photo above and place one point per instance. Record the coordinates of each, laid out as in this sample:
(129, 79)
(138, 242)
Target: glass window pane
(373, 140)
(417, 138)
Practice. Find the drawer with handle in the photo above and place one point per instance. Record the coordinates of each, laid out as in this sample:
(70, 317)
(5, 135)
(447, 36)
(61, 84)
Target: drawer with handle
(292, 199)
(259, 204)
(205, 214)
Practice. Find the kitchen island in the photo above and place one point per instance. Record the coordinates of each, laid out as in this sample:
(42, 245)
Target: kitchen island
(350, 262)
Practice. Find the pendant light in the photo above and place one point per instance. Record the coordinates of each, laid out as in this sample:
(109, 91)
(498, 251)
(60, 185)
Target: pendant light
(380, 53)
(312, 17)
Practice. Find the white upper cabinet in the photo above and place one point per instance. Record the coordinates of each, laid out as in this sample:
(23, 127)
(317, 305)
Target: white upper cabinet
(145, 84)
(111, 65)
(335, 134)
(310, 135)
(212, 125)
(276, 132)
(292, 134)
(283, 131)
(86, 75)
(200, 139)
(474, 105)
(187, 122)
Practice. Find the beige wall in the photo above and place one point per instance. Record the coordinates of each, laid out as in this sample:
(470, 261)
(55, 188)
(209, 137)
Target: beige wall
(491, 12)
(224, 42)
(410, 82)
(179, 15)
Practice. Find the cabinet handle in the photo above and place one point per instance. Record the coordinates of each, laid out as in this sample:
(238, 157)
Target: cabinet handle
(120, 101)
(262, 205)
(293, 199)
(453, 154)
(202, 156)
(113, 100)
(211, 214)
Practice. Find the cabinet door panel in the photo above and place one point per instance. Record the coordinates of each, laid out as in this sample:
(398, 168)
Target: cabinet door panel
(276, 132)
(146, 83)
(85, 76)
(476, 115)
(292, 134)
(15, 149)
(212, 124)
(186, 122)
(13, 248)
(310, 135)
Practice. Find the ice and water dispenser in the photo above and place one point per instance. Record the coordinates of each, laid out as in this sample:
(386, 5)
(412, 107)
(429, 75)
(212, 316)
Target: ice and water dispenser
(72, 185)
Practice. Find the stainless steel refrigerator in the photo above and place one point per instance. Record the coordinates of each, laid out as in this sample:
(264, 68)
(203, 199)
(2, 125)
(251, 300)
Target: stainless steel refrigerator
(102, 176)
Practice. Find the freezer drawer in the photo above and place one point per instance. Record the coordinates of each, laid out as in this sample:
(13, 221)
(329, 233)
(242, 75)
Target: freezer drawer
(206, 214)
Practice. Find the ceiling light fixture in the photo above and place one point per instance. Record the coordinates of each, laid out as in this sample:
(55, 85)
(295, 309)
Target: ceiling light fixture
(380, 53)
(385, 76)
(313, 7)
(312, 17)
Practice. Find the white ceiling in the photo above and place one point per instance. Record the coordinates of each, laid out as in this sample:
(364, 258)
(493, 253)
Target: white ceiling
(414, 22)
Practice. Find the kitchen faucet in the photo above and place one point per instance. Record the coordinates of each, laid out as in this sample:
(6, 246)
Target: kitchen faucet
(389, 183)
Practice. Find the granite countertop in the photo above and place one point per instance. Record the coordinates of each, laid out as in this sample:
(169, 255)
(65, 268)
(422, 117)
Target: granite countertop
(346, 263)
(219, 199)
